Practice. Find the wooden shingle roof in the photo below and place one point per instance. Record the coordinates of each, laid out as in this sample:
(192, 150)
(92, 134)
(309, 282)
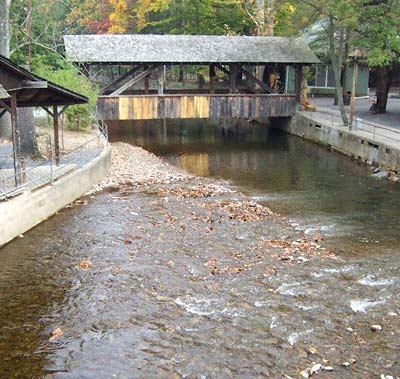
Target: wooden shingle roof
(189, 49)
(34, 91)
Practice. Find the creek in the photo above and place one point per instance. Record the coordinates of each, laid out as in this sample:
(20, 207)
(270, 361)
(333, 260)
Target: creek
(149, 307)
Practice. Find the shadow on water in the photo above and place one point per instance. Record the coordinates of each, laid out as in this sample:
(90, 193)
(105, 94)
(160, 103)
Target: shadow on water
(317, 190)
(33, 284)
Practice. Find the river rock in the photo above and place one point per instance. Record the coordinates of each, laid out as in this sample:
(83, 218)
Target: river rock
(381, 175)
(376, 328)
(315, 368)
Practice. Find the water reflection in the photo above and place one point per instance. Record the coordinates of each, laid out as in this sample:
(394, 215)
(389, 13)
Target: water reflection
(320, 191)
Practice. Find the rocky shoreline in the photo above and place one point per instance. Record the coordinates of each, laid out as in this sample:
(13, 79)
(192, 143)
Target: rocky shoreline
(136, 169)
(133, 166)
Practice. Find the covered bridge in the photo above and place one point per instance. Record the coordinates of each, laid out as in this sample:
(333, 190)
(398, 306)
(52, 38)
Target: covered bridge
(231, 76)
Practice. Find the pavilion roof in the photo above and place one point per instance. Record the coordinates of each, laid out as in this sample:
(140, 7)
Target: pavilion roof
(32, 90)
(187, 49)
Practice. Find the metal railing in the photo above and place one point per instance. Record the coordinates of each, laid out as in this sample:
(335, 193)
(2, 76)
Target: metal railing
(375, 131)
(31, 175)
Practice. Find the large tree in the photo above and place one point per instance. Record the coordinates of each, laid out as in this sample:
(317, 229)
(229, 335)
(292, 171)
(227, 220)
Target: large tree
(88, 16)
(337, 21)
(5, 123)
(379, 38)
(4, 27)
(193, 17)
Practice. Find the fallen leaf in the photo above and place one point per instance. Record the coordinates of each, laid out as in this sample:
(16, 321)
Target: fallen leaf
(56, 333)
(85, 265)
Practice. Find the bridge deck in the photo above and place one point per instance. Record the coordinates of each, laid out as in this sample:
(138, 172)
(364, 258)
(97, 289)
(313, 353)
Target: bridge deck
(147, 107)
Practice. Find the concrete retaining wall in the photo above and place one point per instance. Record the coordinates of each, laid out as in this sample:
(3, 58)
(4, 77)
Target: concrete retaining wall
(359, 147)
(29, 209)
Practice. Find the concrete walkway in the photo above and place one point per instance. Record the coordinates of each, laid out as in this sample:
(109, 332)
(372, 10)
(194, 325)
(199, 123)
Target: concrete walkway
(379, 128)
(375, 141)
(389, 119)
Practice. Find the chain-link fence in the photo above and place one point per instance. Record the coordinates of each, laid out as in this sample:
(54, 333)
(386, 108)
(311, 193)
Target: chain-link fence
(28, 174)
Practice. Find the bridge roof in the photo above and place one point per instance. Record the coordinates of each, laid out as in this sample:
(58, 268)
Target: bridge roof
(187, 49)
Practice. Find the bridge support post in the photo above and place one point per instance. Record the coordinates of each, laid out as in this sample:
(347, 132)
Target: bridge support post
(146, 81)
(234, 70)
(298, 80)
(212, 79)
(161, 79)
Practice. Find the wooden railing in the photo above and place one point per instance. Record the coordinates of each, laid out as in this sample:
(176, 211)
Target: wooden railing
(148, 107)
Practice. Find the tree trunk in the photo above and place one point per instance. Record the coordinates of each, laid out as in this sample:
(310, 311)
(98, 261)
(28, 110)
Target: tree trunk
(27, 132)
(5, 121)
(4, 28)
(26, 129)
(270, 18)
(260, 17)
(337, 58)
(384, 77)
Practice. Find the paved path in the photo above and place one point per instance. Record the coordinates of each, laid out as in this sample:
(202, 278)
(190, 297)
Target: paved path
(390, 119)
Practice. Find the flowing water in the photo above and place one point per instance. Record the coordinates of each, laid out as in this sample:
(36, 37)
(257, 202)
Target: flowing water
(319, 191)
(148, 308)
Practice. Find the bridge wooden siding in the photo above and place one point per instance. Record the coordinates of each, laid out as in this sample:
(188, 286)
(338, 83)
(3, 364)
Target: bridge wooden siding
(147, 107)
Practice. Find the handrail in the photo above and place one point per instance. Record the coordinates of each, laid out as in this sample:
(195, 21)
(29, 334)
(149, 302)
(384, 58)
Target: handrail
(48, 171)
(360, 124)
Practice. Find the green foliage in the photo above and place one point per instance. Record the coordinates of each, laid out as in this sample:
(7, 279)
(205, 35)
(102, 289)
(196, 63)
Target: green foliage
(379, 36)
(198, 17)
(37, 28)
(67, 75)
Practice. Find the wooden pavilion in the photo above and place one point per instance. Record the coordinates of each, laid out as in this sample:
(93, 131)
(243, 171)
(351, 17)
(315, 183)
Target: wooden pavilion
(20, 88)
(233, 86)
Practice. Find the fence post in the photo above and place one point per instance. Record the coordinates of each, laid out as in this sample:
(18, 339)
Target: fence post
(51, 171)
(23, 170)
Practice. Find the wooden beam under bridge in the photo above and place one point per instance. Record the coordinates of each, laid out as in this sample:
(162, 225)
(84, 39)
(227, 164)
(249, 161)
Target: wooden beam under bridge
(134, 80)
(119, 80)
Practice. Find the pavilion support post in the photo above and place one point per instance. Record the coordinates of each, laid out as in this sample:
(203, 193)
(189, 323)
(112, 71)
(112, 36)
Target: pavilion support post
(212, 79)
(15, 139)
(298, 80)
(56, 119)
(146, 81)
(234, 69)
